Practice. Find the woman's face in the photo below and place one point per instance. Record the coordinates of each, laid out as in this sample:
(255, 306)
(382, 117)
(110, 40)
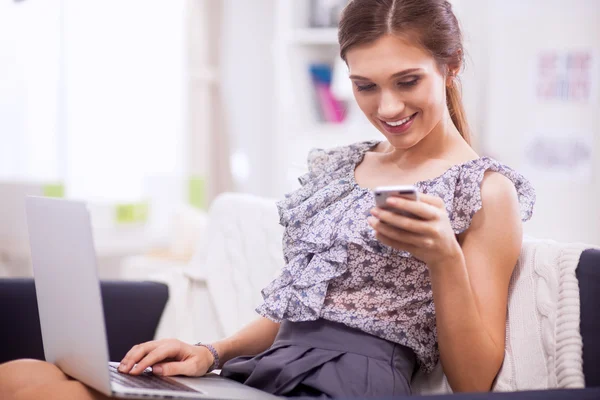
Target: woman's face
(399, 88)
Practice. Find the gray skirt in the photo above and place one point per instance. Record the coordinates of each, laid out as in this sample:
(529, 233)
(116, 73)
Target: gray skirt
(326, 359)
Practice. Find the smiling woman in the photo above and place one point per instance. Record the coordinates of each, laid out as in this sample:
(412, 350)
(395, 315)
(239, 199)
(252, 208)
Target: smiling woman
(433, 288)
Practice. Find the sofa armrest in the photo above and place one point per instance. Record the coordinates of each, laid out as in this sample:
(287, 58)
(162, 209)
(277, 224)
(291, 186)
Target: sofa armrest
(588, 275)
(132, 311)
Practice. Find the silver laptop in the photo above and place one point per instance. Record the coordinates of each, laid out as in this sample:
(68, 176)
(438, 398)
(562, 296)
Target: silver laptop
(71, 315)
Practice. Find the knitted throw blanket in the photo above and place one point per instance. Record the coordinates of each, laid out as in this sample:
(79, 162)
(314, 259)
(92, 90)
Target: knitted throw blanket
(543, 344)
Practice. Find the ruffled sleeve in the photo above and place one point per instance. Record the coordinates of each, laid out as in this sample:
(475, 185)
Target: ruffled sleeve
(321, 161)
(328, 169)
(467, 195)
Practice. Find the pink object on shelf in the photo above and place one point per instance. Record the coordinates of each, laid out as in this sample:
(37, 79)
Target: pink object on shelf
(333, 110)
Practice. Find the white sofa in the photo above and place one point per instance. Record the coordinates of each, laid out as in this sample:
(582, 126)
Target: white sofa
(240, 253)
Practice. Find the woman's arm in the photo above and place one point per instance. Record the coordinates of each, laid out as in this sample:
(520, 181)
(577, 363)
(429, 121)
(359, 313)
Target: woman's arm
(174, 357)
(254, 338)
(469, 279)
(470, 292)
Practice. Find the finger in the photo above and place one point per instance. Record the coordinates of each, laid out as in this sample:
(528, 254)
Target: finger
(136, 353)
(417, 226)
(188, 368)
(420, 209)
(432, 200)
(396, 234)
(159, 354)
(393, 243)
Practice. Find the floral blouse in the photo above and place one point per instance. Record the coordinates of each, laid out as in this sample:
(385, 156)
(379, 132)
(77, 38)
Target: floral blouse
(336, 269)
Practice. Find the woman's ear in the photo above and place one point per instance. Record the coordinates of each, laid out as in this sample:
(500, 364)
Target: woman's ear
(453, 68)
(452, 73)
(450, 77)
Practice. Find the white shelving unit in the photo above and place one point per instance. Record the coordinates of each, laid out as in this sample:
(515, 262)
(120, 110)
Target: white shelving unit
(297, 125)
(314, 36)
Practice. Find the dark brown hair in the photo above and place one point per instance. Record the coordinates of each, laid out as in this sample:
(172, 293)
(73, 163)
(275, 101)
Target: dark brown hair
(431, 23)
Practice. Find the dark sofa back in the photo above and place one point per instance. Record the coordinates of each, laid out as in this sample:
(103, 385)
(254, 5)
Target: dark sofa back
(132, 311)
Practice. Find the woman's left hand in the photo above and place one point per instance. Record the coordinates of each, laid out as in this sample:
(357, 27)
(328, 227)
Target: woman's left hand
(430, 238)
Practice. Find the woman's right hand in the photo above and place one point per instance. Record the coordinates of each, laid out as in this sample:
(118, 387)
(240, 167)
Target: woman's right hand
(167, 357)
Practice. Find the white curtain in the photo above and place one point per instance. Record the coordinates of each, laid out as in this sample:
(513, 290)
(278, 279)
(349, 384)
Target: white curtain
(29, 79)
(208, 152)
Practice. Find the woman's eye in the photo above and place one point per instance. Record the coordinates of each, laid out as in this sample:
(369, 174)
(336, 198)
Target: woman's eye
(362, 88)
(410, 83)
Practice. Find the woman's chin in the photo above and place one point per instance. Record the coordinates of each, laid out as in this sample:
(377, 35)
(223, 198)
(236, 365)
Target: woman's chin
(401, 142)
(404, 140)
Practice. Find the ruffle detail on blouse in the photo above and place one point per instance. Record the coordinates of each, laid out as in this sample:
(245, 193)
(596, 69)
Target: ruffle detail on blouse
(467, 194)
(300, 297)
(315, 251)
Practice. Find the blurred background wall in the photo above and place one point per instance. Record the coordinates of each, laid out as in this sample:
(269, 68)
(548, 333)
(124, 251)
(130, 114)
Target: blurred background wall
(147, 110)
(534, 97)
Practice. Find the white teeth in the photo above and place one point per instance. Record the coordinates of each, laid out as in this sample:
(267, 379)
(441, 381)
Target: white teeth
(398, 123)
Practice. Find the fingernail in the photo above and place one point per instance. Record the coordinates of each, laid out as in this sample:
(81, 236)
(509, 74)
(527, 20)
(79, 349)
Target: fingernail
(375, 212)
(157, 370)
(371, 220)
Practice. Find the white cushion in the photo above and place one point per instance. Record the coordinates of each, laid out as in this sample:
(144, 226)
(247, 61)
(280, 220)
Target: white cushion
(242, 254)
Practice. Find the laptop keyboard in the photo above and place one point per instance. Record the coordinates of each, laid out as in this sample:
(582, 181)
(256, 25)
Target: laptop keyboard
(146, 381)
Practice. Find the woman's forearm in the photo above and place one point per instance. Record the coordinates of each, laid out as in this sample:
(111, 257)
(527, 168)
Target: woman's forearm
(470, 357)
(254, 338)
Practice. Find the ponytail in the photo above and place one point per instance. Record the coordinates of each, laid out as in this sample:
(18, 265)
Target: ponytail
(457, 111)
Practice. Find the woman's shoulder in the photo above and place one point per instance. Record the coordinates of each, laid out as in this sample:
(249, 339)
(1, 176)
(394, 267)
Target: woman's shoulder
(489, 178)
(325, 161)
(496, 174)
(339, 154)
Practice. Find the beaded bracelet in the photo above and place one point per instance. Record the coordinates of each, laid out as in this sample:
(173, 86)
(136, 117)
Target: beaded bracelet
(216, 363)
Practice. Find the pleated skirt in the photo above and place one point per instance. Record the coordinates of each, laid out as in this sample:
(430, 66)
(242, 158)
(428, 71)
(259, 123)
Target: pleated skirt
(324, 359)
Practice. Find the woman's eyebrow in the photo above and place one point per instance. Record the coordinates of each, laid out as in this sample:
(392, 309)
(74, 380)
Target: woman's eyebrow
(396, 75)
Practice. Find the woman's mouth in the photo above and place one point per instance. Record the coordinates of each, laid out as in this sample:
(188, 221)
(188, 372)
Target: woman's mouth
(399, 126)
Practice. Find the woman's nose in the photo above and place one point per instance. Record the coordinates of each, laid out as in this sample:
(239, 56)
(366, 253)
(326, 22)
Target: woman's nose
(390, 106)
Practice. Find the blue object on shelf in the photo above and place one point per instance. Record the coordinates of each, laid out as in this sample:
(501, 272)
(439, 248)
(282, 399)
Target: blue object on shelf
(321, 73)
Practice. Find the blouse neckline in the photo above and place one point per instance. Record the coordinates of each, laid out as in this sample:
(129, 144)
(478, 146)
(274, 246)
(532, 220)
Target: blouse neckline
(369, 145)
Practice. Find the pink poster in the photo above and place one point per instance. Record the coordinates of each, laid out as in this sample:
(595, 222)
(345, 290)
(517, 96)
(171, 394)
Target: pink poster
(566, 76)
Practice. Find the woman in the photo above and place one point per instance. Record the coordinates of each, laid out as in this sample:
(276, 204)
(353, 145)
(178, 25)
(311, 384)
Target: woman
(367, 295)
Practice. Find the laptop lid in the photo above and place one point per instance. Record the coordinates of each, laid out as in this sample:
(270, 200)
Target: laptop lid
(68, 289)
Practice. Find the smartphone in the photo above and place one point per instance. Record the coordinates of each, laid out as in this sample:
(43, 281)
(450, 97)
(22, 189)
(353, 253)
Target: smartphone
(382, 193)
